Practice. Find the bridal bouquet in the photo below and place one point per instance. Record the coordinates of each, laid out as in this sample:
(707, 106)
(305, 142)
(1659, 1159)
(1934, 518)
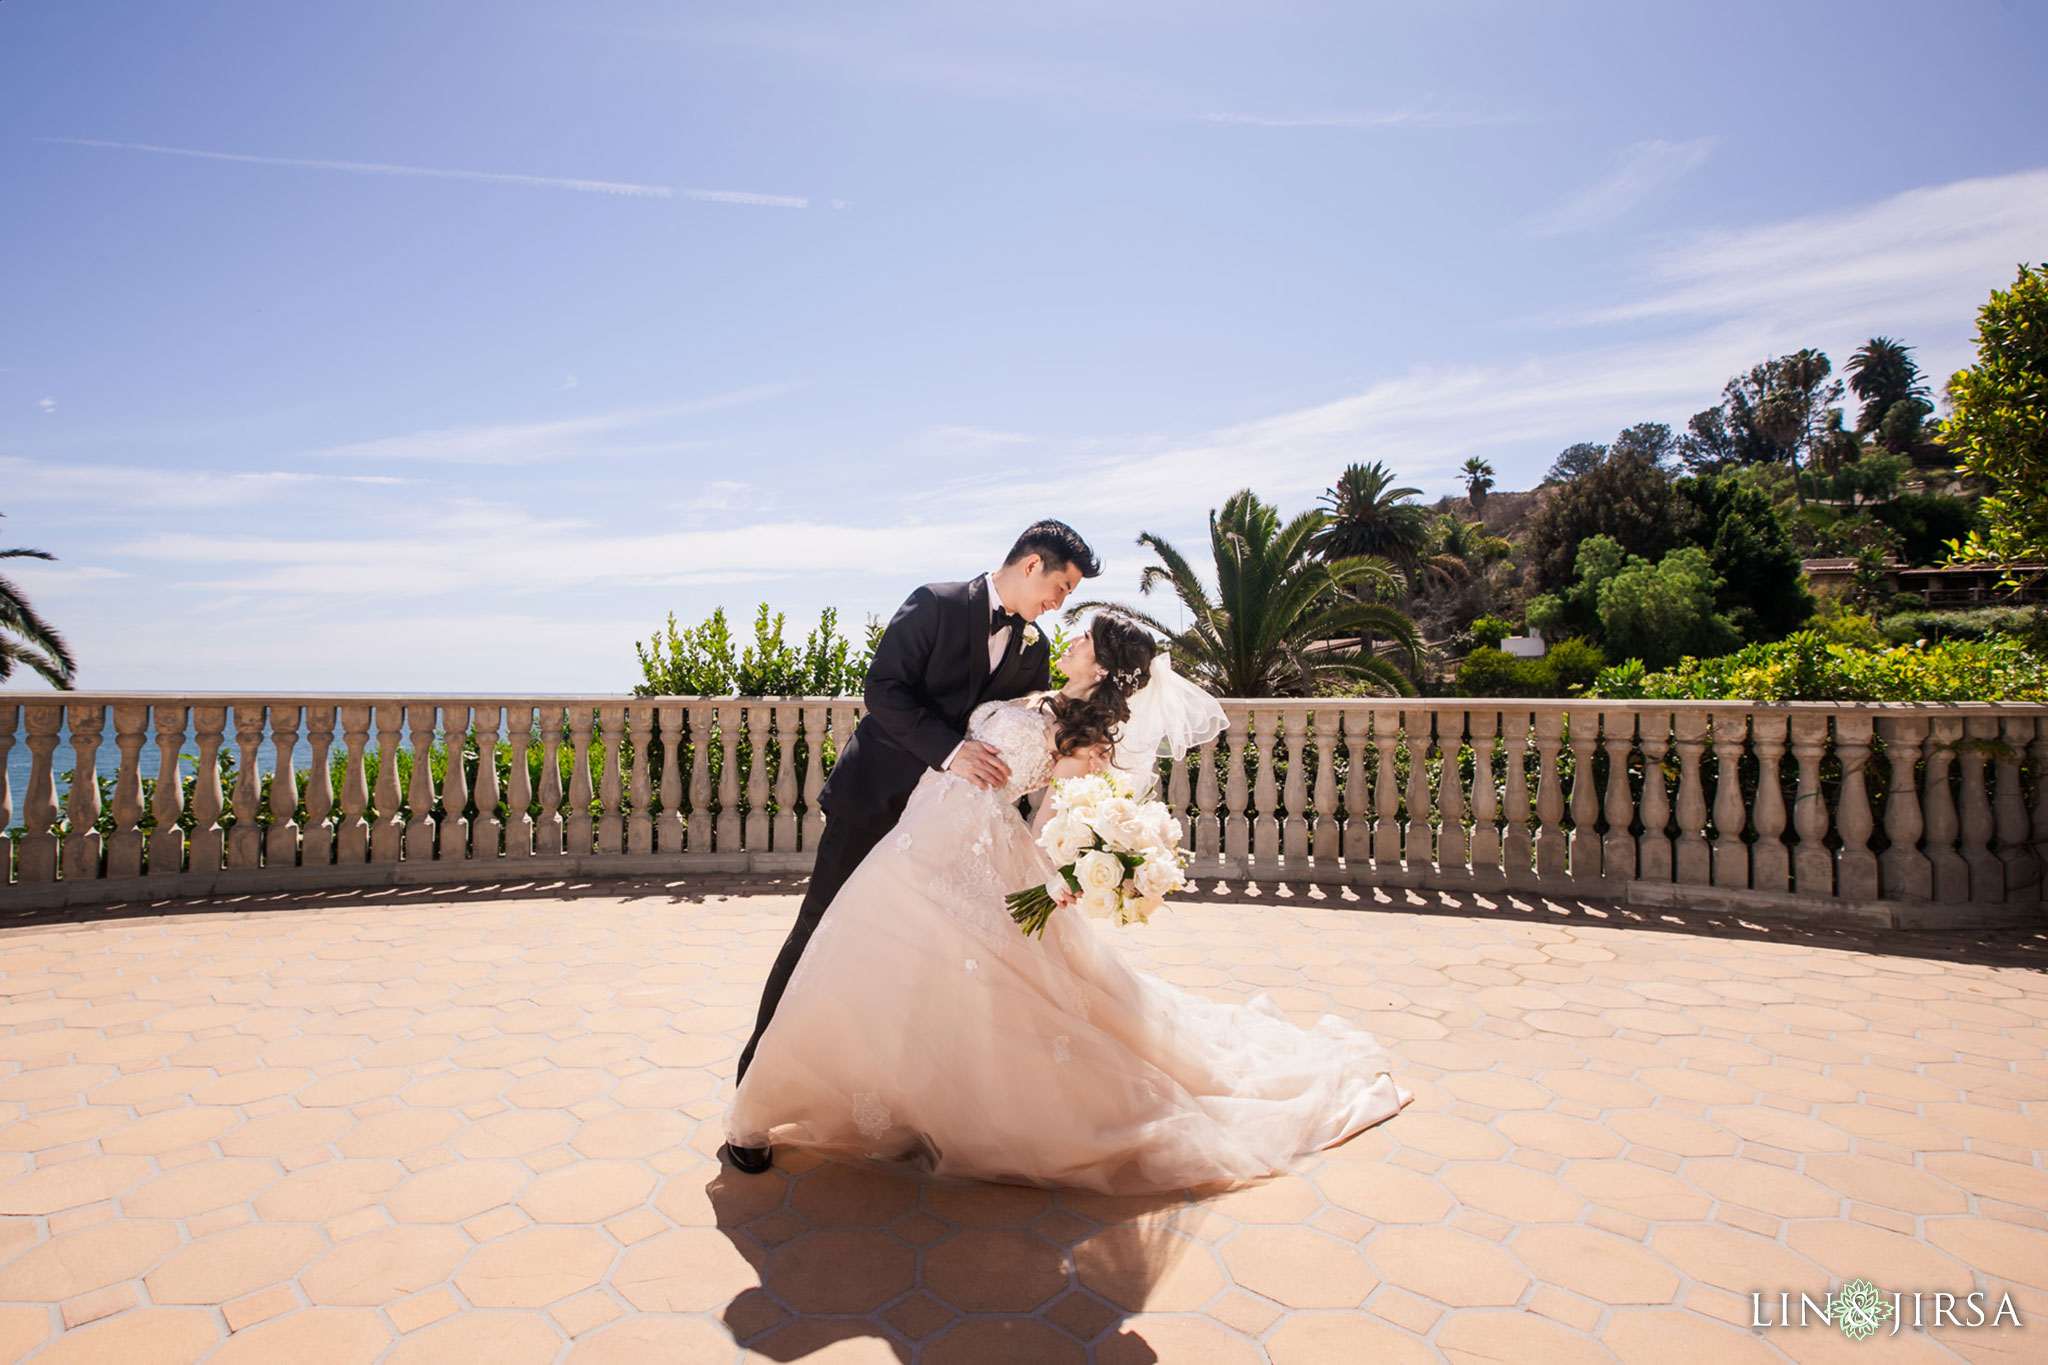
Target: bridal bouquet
(1120, 856)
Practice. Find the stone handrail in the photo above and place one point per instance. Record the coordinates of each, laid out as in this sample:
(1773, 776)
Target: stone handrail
(1882, 813)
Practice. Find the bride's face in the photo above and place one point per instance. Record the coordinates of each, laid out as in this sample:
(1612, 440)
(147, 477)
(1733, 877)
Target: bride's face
(1077, 661)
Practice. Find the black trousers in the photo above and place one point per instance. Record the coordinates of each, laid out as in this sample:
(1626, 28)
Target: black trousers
(840, 850)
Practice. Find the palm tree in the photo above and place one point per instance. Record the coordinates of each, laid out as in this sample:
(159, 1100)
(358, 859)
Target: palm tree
(39, 645)
(1478, 483)
(1369, 516)
(1883, 372)
(1462, 548)
(1265, 632)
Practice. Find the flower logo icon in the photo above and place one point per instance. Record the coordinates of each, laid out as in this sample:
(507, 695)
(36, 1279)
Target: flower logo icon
(1859, 1309)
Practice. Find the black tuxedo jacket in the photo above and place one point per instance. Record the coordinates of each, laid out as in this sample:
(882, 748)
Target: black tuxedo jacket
(929, 672)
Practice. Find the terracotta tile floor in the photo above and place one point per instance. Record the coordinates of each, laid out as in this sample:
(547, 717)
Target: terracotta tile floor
(478, 1126)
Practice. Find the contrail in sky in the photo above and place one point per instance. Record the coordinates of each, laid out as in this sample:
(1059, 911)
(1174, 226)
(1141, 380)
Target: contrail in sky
(777, 201)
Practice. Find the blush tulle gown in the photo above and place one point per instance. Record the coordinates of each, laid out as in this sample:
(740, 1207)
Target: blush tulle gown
(923, 1026)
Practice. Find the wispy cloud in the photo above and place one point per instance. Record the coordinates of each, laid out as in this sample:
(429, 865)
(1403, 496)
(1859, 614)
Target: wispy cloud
(1645, 168)
(47, 403)
(521, 443)
(1421, 115)
(618, 187)
(116, 487)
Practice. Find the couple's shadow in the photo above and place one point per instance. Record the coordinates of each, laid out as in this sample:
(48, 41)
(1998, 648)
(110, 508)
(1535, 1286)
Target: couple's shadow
(972, 1273)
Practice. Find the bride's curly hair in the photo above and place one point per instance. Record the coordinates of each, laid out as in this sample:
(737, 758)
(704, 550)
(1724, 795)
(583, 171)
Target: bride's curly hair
(1124, 651)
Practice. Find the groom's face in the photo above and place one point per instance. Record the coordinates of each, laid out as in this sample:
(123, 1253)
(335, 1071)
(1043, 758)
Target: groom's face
(1046, 587)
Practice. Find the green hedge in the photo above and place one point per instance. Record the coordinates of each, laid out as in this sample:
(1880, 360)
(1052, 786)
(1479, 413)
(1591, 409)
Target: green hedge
(1565, 670)
(1806, 667)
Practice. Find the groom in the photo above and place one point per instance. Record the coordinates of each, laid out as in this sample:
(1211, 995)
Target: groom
(950, 647)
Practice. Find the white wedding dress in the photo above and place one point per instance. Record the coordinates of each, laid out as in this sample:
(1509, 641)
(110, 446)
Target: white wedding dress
(923, 1025)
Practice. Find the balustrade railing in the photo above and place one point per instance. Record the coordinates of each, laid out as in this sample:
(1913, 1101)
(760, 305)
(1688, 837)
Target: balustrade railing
(1827, 808)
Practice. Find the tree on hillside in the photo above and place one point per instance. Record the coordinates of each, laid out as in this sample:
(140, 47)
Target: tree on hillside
(1651, 441)
(1575, 462)
(2000, 421)
(26, 638)
(1882, 373)
(1657, 611)
(1773, 414)
(1479, 482)
(1762, 585)
(1265, 630)
(1369, 516)
(1627, 498)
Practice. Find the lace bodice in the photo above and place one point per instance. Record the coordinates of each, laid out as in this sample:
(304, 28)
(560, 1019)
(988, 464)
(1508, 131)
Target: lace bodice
(1024, 735)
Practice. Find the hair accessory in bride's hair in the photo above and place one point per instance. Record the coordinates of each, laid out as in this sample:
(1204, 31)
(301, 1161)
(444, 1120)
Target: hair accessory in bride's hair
(1127, 679)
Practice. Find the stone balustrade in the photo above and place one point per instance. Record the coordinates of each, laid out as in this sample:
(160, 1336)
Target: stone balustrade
(1890, 814)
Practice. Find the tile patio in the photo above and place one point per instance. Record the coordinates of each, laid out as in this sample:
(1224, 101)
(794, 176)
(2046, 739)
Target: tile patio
(450, 1126)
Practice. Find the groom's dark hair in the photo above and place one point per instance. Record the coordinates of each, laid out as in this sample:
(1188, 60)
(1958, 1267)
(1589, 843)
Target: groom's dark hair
(1058, 546)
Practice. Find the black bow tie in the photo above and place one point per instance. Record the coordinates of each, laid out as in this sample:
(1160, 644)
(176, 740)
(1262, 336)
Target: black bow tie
(1000, 618)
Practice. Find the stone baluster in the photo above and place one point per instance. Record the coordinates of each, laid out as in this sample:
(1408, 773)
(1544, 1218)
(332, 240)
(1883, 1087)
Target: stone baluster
(812, 827)
(698, 832)
(1518, 855)
(387, 830)
(1583, 734)
(39, 809)
(1237, 825)
(10, 716)
(1262, 728)
(1551, 858)
(1938, 810)
(1855, 864)
(1419, 848)
(316, 840)
(550, 830)
(1208, 822)
(580, 828)
(1450, 796)
(1328, 836)
(640, 728)
(352, 835)
(519, 783)
(1813, 866)
(281, 843)
(1694, 860)
(1386, 792)
(1486, 869)
(1177, 794)
(124, 845)
(419, 830)
(2015, 845)
(1903, 870)
(208, 844)
(783, 827)
(1293, 732)
(484, 793)
(754, 827)
(729, 731)
(1770, 862)
(167, 840)
(1618, 845)
(1987, 872)
(82, 815)
(1653, 847)
(611, 794)
(2039, 754)
(453, 845)
(245, 840)
(1731, 818)
(668, 830)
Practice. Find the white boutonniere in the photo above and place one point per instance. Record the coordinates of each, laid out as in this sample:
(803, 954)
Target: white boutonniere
(1031, 636)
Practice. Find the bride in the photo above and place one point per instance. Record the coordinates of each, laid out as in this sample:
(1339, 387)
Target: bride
(922, 1025)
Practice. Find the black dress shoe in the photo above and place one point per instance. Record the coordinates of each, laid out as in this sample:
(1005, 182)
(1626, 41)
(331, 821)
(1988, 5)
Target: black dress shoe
(748, 1160)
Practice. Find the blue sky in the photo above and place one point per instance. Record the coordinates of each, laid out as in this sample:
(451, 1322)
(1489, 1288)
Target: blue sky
(450, 347)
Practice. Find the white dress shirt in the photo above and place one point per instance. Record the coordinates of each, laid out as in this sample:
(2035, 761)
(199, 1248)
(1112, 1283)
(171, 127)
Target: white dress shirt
(997, 644)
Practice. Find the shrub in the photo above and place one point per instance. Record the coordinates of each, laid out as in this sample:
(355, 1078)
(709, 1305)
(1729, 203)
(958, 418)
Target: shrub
(701, 661)
(1568, 667)
(1904, 627)
(1488, 631)
(1807, 667)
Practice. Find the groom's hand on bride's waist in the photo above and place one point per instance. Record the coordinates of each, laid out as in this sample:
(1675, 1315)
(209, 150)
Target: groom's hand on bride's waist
(981, 764)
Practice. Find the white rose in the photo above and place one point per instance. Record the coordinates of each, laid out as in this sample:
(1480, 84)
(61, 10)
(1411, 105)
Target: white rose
(1138, 911)
(1079, 796)
(1099, 871)
(1065, 838)
(1161, 829)
(1121, 823)
(1156, 879)
(1100, 902)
